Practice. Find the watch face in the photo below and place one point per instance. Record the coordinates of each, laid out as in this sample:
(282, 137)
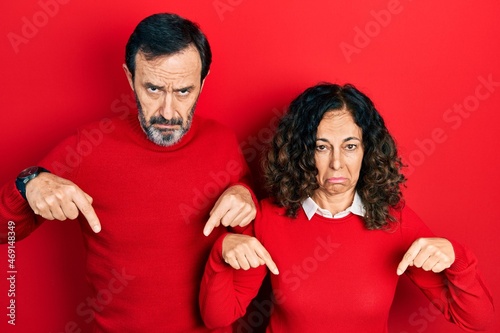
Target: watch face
(28, 171)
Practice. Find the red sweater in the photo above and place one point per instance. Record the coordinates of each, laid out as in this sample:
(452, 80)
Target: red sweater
(337, 276)
(146, 264)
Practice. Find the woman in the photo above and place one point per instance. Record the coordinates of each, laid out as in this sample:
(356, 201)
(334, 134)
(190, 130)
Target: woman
(338, 230)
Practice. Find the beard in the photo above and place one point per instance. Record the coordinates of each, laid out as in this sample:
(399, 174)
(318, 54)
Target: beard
(164, 137)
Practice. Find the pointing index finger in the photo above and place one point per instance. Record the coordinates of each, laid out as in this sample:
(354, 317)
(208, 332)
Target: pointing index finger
(84, 205)
(213, 221)
(266, 257)
(408, 258)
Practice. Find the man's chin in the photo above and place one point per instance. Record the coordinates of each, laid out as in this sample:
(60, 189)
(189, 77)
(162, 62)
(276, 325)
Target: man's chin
(165, 138)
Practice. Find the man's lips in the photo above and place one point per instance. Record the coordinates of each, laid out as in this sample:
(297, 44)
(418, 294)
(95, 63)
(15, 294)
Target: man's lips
(165, 127)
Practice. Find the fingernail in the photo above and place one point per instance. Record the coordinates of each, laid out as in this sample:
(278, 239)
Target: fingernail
(275, 271)
(399, 272)
(206, 232)
(96, 228)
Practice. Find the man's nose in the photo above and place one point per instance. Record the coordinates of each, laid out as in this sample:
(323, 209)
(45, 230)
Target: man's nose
(168, 107)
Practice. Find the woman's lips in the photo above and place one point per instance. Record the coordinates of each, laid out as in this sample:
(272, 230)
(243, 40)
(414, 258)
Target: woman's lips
(336, 180)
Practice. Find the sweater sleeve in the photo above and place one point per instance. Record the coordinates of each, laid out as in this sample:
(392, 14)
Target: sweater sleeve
(61, 161)
(225, 292)
(15, 209)
(243, 178)
(459, 291)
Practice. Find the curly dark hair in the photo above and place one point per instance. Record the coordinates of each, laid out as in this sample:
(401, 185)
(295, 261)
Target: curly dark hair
(290, 171)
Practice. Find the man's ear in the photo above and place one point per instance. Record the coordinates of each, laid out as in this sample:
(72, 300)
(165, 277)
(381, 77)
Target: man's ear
(203, 82)
(129, 76)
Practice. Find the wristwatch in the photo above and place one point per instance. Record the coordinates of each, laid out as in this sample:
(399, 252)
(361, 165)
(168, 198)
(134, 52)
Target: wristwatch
(25, 176)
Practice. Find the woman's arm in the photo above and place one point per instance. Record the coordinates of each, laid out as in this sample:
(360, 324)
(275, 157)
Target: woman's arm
(458, 291)
(225, 291)
(447, 273)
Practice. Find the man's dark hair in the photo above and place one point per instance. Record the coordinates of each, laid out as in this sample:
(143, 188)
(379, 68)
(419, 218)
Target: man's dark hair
(166, 34)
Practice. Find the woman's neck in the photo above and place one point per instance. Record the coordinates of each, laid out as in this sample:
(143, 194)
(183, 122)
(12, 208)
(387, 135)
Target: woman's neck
(335, 203)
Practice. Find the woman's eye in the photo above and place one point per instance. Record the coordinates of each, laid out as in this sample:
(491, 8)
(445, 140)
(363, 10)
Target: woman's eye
(321, 148)
(351, 146)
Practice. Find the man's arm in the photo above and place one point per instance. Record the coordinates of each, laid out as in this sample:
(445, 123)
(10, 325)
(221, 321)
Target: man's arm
(48, 197)
(14, 210)
(236, 207)
(56, 198)
(46, 194)
(226, 292)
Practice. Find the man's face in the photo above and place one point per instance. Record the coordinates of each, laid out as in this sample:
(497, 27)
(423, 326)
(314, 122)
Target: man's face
(166, 90)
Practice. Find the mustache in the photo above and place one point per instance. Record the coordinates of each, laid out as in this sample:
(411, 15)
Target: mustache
(163, 121)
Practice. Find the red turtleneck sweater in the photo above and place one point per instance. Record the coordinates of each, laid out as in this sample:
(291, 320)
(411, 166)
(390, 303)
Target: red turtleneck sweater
(146, 264)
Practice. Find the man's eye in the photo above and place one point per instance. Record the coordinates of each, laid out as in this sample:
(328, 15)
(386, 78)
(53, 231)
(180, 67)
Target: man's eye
(153, 89)
(184, 92)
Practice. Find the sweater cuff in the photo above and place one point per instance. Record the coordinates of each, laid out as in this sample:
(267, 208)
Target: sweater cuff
(13, 200)
(247, 230)
(216, 263)
(254, 198)
(463, 258)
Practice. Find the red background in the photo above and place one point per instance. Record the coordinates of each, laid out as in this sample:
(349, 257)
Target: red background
(416, 59)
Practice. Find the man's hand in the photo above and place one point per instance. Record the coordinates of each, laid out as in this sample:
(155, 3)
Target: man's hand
(56, 198)
(234, 207)
(243, 252)
(430, 254)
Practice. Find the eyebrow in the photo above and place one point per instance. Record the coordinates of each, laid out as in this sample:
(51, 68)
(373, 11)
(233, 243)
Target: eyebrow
(345, 140)
(191, 87)
(152, 85)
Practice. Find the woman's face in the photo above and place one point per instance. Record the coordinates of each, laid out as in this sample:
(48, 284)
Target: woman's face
(339, 153)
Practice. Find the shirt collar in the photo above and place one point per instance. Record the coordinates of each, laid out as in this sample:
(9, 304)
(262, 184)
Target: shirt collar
(311, 207)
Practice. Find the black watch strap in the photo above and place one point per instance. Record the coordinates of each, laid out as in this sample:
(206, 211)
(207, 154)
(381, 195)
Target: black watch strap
(25, 176)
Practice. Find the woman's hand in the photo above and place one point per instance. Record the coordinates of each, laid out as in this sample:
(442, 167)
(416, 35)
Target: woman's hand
(430, 254)
(243, 252)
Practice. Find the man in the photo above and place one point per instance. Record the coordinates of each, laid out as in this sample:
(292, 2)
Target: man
(142, 195)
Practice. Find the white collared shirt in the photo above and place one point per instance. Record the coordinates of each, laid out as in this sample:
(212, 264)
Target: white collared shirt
(311, 207)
